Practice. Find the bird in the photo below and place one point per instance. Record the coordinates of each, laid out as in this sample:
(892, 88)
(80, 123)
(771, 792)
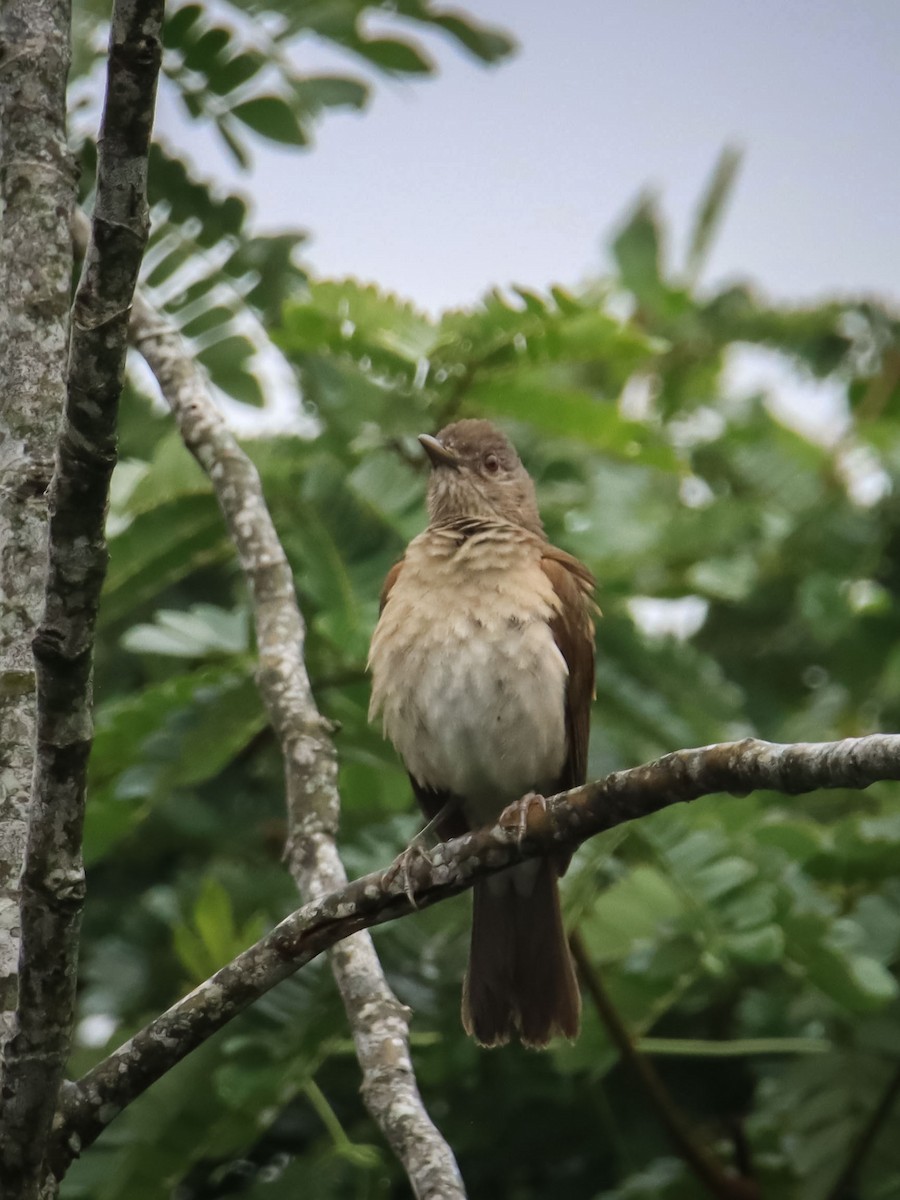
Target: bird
(482, 665)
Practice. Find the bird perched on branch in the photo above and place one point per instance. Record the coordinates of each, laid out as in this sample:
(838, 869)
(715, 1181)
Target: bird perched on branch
(483, 672)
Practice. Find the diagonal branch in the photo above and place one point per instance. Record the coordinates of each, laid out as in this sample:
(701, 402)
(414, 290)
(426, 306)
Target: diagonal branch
(843, 1187)
(53, 877)
(380, 1024)
(565, 821)
(714, 1179)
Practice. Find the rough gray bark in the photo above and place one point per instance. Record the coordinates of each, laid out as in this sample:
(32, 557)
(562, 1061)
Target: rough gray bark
(380, 1024)
(37, 188)
(53, 876)
(561, 821)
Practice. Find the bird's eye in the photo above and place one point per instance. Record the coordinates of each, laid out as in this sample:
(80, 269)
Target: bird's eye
(491, 463)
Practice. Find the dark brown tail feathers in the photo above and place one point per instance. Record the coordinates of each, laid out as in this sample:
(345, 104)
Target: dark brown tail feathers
(521, 980)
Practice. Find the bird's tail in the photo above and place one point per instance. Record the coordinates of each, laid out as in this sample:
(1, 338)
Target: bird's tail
(521, 979)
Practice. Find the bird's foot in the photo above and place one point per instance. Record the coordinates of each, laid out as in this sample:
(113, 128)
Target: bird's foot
(403, 868)
(440, 827)
(517, 815)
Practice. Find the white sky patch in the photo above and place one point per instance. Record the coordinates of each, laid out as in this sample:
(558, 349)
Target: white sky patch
(697, 428)
(95, 1030)
(482, 176)
(680, 618)
(862, 474)
(695, 492)
(814, 408)
(867, 596)
(638, 394)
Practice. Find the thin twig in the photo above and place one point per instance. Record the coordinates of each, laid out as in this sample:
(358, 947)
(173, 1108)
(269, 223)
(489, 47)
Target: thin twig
(700, 1161)
(53, 877)
(565, 821)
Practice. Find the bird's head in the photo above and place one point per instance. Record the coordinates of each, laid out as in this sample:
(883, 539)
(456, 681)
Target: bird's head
(476, 473)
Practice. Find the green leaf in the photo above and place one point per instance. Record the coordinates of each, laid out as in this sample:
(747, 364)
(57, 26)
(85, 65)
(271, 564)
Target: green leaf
(124, 730)
(345, 317)
(873, 979)
(188, 200)
(489, 44)
(202, 631)
(234, 72)
(711, 210)
(213, 918)
(274, 118)
(633, 909)
(729, 579)
(567, 412)
(179, 22)
(171, 474)
(394, 55)
(722, 877)
(201, 53)
(636, 249)
(316, 92)
(856, 982)
(324, 573)
(800, 840)
(391, 486)
(760, 947)
(220, 726)
(162, 546)
(229, 132)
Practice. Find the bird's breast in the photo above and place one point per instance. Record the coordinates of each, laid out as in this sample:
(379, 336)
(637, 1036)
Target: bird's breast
(468, 677)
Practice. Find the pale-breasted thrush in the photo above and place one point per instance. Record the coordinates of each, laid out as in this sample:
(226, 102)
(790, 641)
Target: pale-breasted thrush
(483, 672)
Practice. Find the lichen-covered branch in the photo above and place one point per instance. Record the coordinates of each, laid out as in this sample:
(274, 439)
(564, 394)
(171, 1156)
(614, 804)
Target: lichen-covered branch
(564, 821)
(380, 1024)
(53, 877)
(37, 189)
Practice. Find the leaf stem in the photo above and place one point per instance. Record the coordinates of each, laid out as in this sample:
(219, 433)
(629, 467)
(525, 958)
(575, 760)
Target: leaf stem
(327, 1115)
(734, 1048)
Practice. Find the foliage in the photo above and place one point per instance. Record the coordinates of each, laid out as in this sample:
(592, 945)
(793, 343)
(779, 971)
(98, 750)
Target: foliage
(746, 578)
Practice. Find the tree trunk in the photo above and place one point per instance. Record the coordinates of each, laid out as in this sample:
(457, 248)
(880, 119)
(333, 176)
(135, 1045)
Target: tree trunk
(38, 185)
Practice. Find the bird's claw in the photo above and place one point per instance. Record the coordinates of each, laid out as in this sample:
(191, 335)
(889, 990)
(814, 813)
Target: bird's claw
(402, 869)
(515, 816)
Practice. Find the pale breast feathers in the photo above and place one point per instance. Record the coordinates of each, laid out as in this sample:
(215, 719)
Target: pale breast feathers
(481, 676)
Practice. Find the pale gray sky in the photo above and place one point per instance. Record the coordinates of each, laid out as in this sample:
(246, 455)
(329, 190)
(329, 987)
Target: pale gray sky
(446, 186)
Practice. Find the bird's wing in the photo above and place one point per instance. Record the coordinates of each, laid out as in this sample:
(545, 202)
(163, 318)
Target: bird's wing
(389, 580)
(573, 629)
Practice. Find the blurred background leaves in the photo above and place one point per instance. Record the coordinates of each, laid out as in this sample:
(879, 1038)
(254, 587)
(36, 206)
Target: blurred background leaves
(748, 557)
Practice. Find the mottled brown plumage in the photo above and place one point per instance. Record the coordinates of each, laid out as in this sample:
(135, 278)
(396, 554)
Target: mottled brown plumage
(483, 673)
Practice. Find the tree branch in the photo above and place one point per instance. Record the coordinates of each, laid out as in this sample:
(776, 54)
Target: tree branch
(53, 878)
(380, 1024)
(703, 1164)
(37, 188)
(565, 821)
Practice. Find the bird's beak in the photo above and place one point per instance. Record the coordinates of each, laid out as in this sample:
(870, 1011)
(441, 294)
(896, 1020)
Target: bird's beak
(438, 453)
